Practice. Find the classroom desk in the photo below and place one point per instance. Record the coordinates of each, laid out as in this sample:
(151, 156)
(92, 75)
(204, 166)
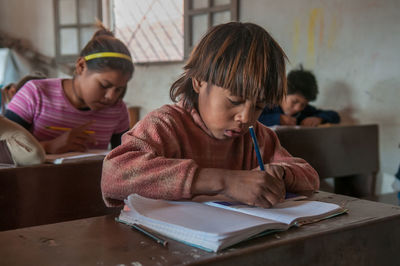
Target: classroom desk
(368, 235)
(50, 193)
(335, 151)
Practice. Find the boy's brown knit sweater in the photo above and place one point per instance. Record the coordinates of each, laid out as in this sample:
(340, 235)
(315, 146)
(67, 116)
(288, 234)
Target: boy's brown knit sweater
(159, 157)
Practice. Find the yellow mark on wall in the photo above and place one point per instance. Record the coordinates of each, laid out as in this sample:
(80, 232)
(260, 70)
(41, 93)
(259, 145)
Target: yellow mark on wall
(296, 38)
(314, 15)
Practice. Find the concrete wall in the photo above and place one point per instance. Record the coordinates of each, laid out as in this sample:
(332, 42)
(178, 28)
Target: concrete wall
(30, 20)
(352, 47)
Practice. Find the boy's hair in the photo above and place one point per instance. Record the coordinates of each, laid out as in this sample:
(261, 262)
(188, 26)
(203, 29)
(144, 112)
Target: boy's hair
(240, 57)
(302, 82)
(103, 40)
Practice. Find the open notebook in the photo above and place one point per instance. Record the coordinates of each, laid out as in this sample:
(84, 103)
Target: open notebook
(213, 226)
(71, 157)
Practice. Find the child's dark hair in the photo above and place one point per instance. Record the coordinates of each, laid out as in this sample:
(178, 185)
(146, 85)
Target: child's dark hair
(103, 40)
(8, 87)
(302, 82)
(27, 78)
(241, 57)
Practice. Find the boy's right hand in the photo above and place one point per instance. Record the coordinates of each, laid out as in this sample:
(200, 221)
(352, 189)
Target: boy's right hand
(288, 120)
(256, 188)
(74, 140)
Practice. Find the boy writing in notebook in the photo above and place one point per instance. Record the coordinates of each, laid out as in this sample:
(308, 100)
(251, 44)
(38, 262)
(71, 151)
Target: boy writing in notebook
(201, 145)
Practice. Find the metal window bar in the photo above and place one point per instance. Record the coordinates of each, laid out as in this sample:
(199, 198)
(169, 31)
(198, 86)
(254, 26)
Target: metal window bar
(152, 29)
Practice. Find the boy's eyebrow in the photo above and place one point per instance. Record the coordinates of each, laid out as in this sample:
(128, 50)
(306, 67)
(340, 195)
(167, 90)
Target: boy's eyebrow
(105, 81)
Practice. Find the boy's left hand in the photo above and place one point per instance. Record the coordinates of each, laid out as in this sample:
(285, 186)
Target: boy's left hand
(311, 121)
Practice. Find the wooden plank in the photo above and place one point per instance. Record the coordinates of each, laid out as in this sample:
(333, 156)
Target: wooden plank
(48, 193)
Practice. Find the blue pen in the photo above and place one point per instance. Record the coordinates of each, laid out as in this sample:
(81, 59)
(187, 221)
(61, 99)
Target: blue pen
(253, 136)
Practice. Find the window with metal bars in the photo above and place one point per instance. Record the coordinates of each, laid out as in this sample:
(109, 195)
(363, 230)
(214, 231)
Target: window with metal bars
(152, 29)
(167, 30)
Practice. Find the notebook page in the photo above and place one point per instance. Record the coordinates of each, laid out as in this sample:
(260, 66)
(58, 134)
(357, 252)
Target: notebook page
(194, 216)
(286, 212)
(75, 156)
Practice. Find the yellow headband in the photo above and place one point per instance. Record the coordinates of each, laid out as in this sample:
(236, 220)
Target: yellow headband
(107, 54)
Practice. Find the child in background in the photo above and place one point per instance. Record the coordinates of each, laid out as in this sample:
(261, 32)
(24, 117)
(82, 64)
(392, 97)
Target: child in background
(201, 146)
(90, 104)
(396, 184)
(294, 108)
(7, 92)
(11, 89)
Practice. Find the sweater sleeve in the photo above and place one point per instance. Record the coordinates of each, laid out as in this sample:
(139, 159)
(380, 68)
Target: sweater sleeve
(299, 175)
(148, 163)
(327, 116)
(270, 117)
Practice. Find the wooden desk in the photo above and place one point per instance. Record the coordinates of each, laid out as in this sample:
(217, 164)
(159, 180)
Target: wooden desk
(335, 151)
(49, 193)
(368, 235)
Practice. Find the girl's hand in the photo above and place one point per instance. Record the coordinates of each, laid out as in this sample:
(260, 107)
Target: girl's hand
(311, 121)
(288, 120)
(74, 140)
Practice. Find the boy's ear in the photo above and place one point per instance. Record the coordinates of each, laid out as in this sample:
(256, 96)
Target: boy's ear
(196, 85)
(80, 66)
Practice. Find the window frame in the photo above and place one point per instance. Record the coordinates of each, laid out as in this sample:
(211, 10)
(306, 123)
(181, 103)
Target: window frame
(189, 13)
(70, 58)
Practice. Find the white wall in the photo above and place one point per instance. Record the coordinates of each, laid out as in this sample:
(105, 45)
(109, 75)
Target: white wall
(150, 85)
(352, 46)
(32, 20)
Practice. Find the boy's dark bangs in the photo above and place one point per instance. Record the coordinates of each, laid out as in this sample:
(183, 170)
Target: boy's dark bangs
(240, 84)
(242, 77)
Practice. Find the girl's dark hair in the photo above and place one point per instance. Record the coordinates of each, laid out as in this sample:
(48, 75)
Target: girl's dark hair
(241, 57)
(302, 82)
(103, 40)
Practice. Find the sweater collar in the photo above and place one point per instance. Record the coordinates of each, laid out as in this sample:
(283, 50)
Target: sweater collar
(196, 118)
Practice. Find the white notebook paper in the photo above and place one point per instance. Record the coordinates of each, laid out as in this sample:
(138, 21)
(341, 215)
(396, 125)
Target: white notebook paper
(216, 225)
(71, 157)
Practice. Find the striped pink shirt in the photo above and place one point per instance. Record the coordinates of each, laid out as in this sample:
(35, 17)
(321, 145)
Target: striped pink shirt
(43, 103)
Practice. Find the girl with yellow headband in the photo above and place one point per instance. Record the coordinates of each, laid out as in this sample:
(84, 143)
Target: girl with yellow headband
(86, 111)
